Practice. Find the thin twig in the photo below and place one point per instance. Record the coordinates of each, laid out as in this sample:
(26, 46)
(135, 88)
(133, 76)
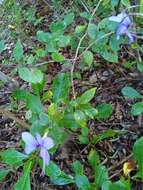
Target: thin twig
(120, 163)
(90, 45)
(78, 47)
(10, 115)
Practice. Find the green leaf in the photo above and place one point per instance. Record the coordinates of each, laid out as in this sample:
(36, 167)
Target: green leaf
(83, 139)
(85, 15)
(80, 28)
(92, 31)
(57, 27)
(141, 6)
(140, 66)
(138, 154)
(13, 157)
(40, 53)
(110, 56)
(24, 181)
(130, 92)
(90, 112)
(18, 51)
(61, 87)
(87, 96)
(114, 3)
(43, 36)
(57, 57)
(77, 167)
(126, 3)
(2, 46)
(100, 176)
(93, 159)
(3, 173)
(82, 182)
(32, 76)
(104, 111)
(68, 19)
(34, 104)
(119, 185)
(88, 57)
(57, 176)
(107, 134)
(137, 109)
(114, 43)
(64, 41)
(80, 118)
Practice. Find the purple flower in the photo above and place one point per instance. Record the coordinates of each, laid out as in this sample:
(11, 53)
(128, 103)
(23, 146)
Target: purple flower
(123, 27)
(33, 143)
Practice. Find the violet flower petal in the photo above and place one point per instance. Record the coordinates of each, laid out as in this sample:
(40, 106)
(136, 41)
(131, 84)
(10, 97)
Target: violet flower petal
(46, 158)
(130, 36)
(30, 142)
(119, 17)
(48, 143)
(122, 29)
(39, 139)
(126, 21)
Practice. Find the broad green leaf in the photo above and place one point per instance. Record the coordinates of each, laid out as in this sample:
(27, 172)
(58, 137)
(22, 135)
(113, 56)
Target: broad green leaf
(87, 96)
(13, 157)
(30, 60)
(100, 176)
(57, 176)
(57, 27)
(90, 112)
(110, 56)
(20, 94)
(40, 53)
(85, 15)
(104, 111)
(140, 66)
(68, 19)
(92, 31)
(43, 36)
(34, 104)
(24, 181)
(80, 118)
(3, 173)
(70, 122)
(57, 57)
(80, 28)
(126, 3)
(107, 134)
(32, 76)
(18, 51)
(83, 139)
(61, 87)
(137, 109)
(63, 179)
(93, 159)
(119, 185)
(88, 57)
(141, 6)
(77, 167)
(114, 3)
(130, 92)
(82, 182)
(138, 154)
(64, 40)
(2, 46)
(114, 43)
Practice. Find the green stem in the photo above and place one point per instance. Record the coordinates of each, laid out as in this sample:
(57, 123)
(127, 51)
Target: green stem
(118, 6)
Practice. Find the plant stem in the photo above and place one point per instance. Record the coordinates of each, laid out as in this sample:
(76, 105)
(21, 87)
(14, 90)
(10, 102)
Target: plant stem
(118, 6)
